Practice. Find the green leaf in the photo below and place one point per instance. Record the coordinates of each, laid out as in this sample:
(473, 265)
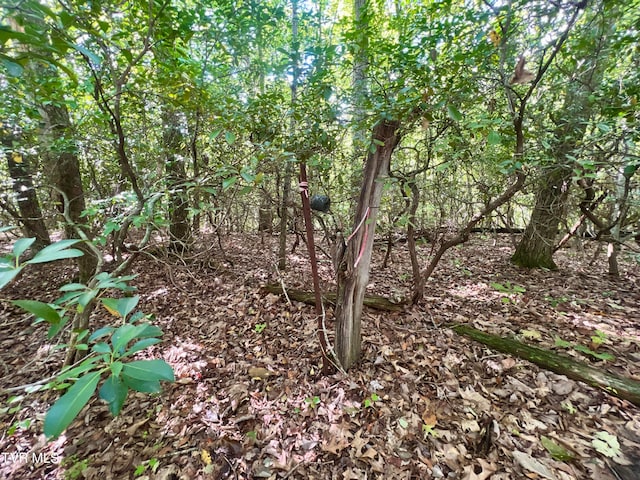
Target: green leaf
(144, 386)
(122, 336)
(141, 345)
(229, 137)
(8, 275)
(561, 343)
(453, 113)
(555, 450)
(101, 347)
(101, 332)
(116, 368)
(14, 69)
(67, 408)
(114, 392)
(87, 53)
(72, 287)
(55, 328)
(124, 306)
(40, 310)
(22, 245)
(494, 138)
(228, 182)
(57, 251)
(149, 370)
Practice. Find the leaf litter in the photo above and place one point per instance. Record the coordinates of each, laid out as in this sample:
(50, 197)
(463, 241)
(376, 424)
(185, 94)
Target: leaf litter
(249, 400)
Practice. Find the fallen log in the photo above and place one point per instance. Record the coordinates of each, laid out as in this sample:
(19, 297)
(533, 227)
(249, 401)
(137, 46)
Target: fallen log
(373, 301)
(615, 385)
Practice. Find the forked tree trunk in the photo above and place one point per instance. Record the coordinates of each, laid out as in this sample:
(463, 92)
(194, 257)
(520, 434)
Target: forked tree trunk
(354, 262)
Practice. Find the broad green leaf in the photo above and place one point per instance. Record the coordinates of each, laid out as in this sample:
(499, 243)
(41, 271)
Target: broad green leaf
(114, 392)
(144, 386)
(149, 331)
(87, 53)
(116, 368)
(121, 307)
(8, 275)
(494, 138)
(40, 310)
(230, 137)
(149, 370)
(22, 245)
(555, 450)
(229, 182)
(101, 347)
(55, 328)
(57, 251)
(85, 366)
(14, 69)
(101, 332)
(67, 408)
(123, 335)
(72, 287)
(453, 113)
(141, 345)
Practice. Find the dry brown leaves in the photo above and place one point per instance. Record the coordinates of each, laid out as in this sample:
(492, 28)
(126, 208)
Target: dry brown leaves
(249, 401)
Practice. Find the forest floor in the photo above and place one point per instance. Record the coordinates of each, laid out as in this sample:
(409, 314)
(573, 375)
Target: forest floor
(424, 403)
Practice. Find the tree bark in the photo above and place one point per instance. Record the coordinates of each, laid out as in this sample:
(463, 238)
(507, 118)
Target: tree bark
(62, 153)
(30, 213)
(179, 228)
(615, 385)
(353, 266)
(536, 248)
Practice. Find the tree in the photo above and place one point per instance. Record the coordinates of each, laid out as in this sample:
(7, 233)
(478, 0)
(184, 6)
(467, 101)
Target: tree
(537, 245)
(28, 212)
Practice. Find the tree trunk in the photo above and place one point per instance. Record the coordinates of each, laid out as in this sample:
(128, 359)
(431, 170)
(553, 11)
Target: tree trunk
(537, 245)
(179, 228)
(67, 178)
(536, 248)
(353, 266)
(30, 214)
(615, 385)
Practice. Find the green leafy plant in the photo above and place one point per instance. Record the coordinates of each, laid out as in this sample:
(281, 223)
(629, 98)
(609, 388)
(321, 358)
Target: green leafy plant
(11, 265)
(109, 348)
(151, 464)
(313, 402)
(509, 289)
(371, 400)
(259, 327)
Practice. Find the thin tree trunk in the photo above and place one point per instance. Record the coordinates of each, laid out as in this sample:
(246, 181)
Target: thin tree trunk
(179, 228)
(353, 267)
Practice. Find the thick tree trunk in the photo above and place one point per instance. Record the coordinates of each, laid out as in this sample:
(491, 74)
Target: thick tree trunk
(353, 266)
(615, 385)
(30, 214)
(536, 248)
(537, 245)
(67, 178)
